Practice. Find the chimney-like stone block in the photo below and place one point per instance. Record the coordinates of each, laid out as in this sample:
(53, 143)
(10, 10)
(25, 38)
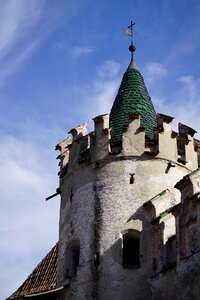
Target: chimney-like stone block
(167, 143)
(100, 145)
(133, 140)
(185, 130)
(78, 134)
(164, 122)
(100, 123)
(191, 157)
(79, 131)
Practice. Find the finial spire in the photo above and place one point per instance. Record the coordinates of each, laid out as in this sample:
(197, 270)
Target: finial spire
(132, 48)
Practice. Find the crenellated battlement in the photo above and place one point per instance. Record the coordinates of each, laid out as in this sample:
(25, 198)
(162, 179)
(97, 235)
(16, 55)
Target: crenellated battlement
(83, 147)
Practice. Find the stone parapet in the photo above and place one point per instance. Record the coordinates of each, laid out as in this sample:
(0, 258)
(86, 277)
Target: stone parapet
(82, 147)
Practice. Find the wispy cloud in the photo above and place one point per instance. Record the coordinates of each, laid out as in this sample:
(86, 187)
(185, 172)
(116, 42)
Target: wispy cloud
(191, 86)
(189, 92)
(154, 72)
(102, 95)
(24, 25)
(80, 51)
(17, 20)
(183, 103)
(179, 98)
(97, 96)
(109, 69)
(8, 67)
(26, 219)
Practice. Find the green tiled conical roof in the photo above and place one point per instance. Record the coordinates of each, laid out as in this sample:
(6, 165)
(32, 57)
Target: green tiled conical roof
(132, 97)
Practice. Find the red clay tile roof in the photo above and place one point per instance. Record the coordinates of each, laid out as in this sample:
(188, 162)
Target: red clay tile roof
(42, 279)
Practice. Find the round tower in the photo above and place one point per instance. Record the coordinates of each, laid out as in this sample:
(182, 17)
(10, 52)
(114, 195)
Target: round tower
(105, 178)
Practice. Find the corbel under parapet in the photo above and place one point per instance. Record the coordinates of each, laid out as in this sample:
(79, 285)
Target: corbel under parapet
(64, 152)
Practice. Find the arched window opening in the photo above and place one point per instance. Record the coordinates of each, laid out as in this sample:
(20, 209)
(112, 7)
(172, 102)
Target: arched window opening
(74, 258)
(131, 249)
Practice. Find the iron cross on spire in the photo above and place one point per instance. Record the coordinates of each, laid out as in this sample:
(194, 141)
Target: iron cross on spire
(131, 28)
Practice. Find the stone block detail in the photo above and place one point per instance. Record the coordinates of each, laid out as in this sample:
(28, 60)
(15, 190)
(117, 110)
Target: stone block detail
(100, 145)
(158, 204)
(189, 153)
(133, 139)
(166, 139)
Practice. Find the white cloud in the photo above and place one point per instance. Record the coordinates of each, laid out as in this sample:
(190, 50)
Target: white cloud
(79, 51)
(103, 90)
(24, 25)
(11, 66)
(16, 20)
(17, 43)
(159, 103)
(28, 222)
(103, 95)
(191, 86)
(109, 69)
(97, 97)
(183, 104)
(154, 72)
(188, 99)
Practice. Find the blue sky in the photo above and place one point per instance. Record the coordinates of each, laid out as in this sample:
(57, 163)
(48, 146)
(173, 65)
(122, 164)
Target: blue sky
(61, 63)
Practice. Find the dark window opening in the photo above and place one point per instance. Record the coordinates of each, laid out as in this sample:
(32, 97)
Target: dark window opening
(131, 178)
(71, 196)
(131, 249)
(74, 259)
(172, 249)
(154, 264)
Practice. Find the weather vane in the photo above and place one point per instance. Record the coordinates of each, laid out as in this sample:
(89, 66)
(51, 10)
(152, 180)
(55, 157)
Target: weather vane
(129, 30)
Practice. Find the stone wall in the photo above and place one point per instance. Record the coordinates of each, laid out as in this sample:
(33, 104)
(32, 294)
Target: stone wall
(103, 189)
(180, 279)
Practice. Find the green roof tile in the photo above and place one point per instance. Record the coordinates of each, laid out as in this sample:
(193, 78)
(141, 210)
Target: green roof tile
(132, 97)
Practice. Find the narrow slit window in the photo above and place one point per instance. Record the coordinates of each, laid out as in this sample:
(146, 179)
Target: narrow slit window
(74, 259)
(131, 181)
(171, 250)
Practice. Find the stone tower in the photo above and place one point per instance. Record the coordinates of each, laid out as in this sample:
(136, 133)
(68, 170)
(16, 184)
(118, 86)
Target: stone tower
(108, 179)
